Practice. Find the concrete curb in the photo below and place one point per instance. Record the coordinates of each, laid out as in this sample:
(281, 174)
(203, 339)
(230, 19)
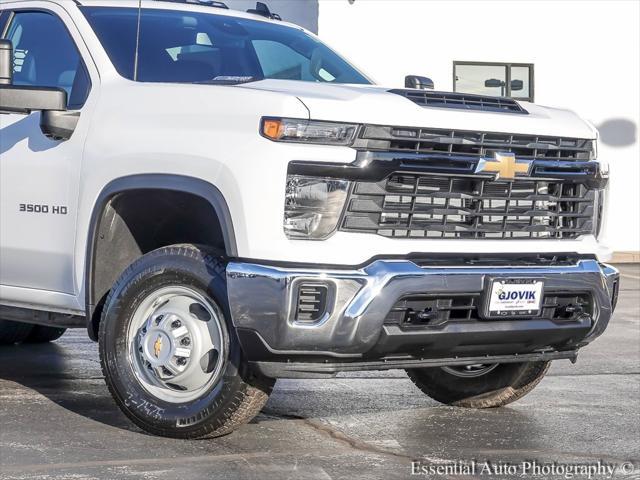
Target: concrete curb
(626, 257)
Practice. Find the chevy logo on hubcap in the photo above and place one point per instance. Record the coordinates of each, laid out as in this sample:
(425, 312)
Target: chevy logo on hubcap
(505, 165)
(157, 346)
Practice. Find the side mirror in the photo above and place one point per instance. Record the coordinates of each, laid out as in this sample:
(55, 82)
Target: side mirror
(55, 121)
(19, 99)
(415, 81)
(6, 62)
(517, 85)
(494, 83)
(58, 125)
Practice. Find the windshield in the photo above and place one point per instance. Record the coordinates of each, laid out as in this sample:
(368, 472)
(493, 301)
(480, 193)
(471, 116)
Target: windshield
(189, 47)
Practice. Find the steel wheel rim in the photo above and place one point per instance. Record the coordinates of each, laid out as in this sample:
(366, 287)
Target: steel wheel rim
(176, 345)
(470, 371)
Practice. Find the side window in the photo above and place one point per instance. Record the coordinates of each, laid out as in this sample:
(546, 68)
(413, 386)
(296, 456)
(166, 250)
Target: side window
(46, 56)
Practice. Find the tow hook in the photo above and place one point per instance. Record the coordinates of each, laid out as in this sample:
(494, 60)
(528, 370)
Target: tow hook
(426, 315)
(571, 311)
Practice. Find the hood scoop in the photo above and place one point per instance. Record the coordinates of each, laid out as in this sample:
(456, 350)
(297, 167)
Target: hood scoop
(462, 101)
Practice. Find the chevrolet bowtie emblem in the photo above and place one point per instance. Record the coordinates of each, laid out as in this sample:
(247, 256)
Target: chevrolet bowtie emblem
(157, 346)
(505, 165)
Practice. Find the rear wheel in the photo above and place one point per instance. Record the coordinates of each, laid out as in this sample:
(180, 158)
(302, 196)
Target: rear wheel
(169, 352)
(480, 385)
(42, 334)
(13, 332)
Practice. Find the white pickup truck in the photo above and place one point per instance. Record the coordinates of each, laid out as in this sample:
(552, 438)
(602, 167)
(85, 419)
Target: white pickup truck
(222, 200)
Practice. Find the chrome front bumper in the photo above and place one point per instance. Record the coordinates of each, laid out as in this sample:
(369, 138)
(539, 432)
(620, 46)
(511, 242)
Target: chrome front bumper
(263, 301)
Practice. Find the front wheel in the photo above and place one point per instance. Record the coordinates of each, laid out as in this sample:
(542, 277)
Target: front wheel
(481, 385)
(168, 351)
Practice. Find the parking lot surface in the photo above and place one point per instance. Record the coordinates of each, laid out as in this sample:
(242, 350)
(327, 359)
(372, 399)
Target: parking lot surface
(57, 421)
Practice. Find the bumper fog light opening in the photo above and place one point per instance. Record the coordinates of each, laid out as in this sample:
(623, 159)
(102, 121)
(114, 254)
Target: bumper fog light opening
(311, 304)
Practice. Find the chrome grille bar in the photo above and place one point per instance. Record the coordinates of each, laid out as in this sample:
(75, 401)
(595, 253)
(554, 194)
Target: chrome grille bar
(473, 144)
(436, 206)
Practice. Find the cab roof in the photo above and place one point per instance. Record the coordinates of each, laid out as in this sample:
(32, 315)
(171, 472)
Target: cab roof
(179, 5)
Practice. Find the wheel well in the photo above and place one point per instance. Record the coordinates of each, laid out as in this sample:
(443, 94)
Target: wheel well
(137, 221)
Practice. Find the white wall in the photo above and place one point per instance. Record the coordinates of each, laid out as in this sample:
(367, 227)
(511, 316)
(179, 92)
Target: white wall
(586, 57)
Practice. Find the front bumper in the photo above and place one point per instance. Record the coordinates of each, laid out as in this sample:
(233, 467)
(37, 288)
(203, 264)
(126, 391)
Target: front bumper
(354, 333)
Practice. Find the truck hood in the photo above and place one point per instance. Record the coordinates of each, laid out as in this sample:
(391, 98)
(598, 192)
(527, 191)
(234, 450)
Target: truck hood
(377, 105)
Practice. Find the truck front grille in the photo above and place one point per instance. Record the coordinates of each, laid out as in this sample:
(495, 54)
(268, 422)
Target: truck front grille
(439, 206)
(473, 144)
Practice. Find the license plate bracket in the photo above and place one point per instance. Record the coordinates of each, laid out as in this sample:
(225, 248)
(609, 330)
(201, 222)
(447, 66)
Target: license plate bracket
(513, 297)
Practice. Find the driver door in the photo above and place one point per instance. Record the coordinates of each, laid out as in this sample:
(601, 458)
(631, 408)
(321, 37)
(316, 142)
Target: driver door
(39, 177)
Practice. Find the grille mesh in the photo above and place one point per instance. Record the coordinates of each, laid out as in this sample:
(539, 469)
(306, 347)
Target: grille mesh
(432, 206)
(475, 144)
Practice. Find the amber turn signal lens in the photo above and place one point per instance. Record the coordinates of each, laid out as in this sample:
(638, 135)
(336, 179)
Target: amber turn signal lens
(272, 129)
(316, 132)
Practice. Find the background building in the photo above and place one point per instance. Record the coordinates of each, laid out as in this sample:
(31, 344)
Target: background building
(584, 56)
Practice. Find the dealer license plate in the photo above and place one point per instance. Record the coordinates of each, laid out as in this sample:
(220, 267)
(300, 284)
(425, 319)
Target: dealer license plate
(516, 297)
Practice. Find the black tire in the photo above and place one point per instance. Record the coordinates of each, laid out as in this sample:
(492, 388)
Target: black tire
(233, 401)
(13, 332)
(504, 384)
(42, 334)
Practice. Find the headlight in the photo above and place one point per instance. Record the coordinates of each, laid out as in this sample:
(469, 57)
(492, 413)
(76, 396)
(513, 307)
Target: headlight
(313, 206)
(306, 131)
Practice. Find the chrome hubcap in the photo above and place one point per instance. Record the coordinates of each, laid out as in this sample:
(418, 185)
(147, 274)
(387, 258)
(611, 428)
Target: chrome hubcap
(469, 371)
(176, 345)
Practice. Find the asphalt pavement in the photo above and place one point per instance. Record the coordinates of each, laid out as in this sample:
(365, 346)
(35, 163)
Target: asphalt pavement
(57, 421)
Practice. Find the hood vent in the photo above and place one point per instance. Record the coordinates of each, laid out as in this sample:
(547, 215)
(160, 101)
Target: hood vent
(463, 101)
